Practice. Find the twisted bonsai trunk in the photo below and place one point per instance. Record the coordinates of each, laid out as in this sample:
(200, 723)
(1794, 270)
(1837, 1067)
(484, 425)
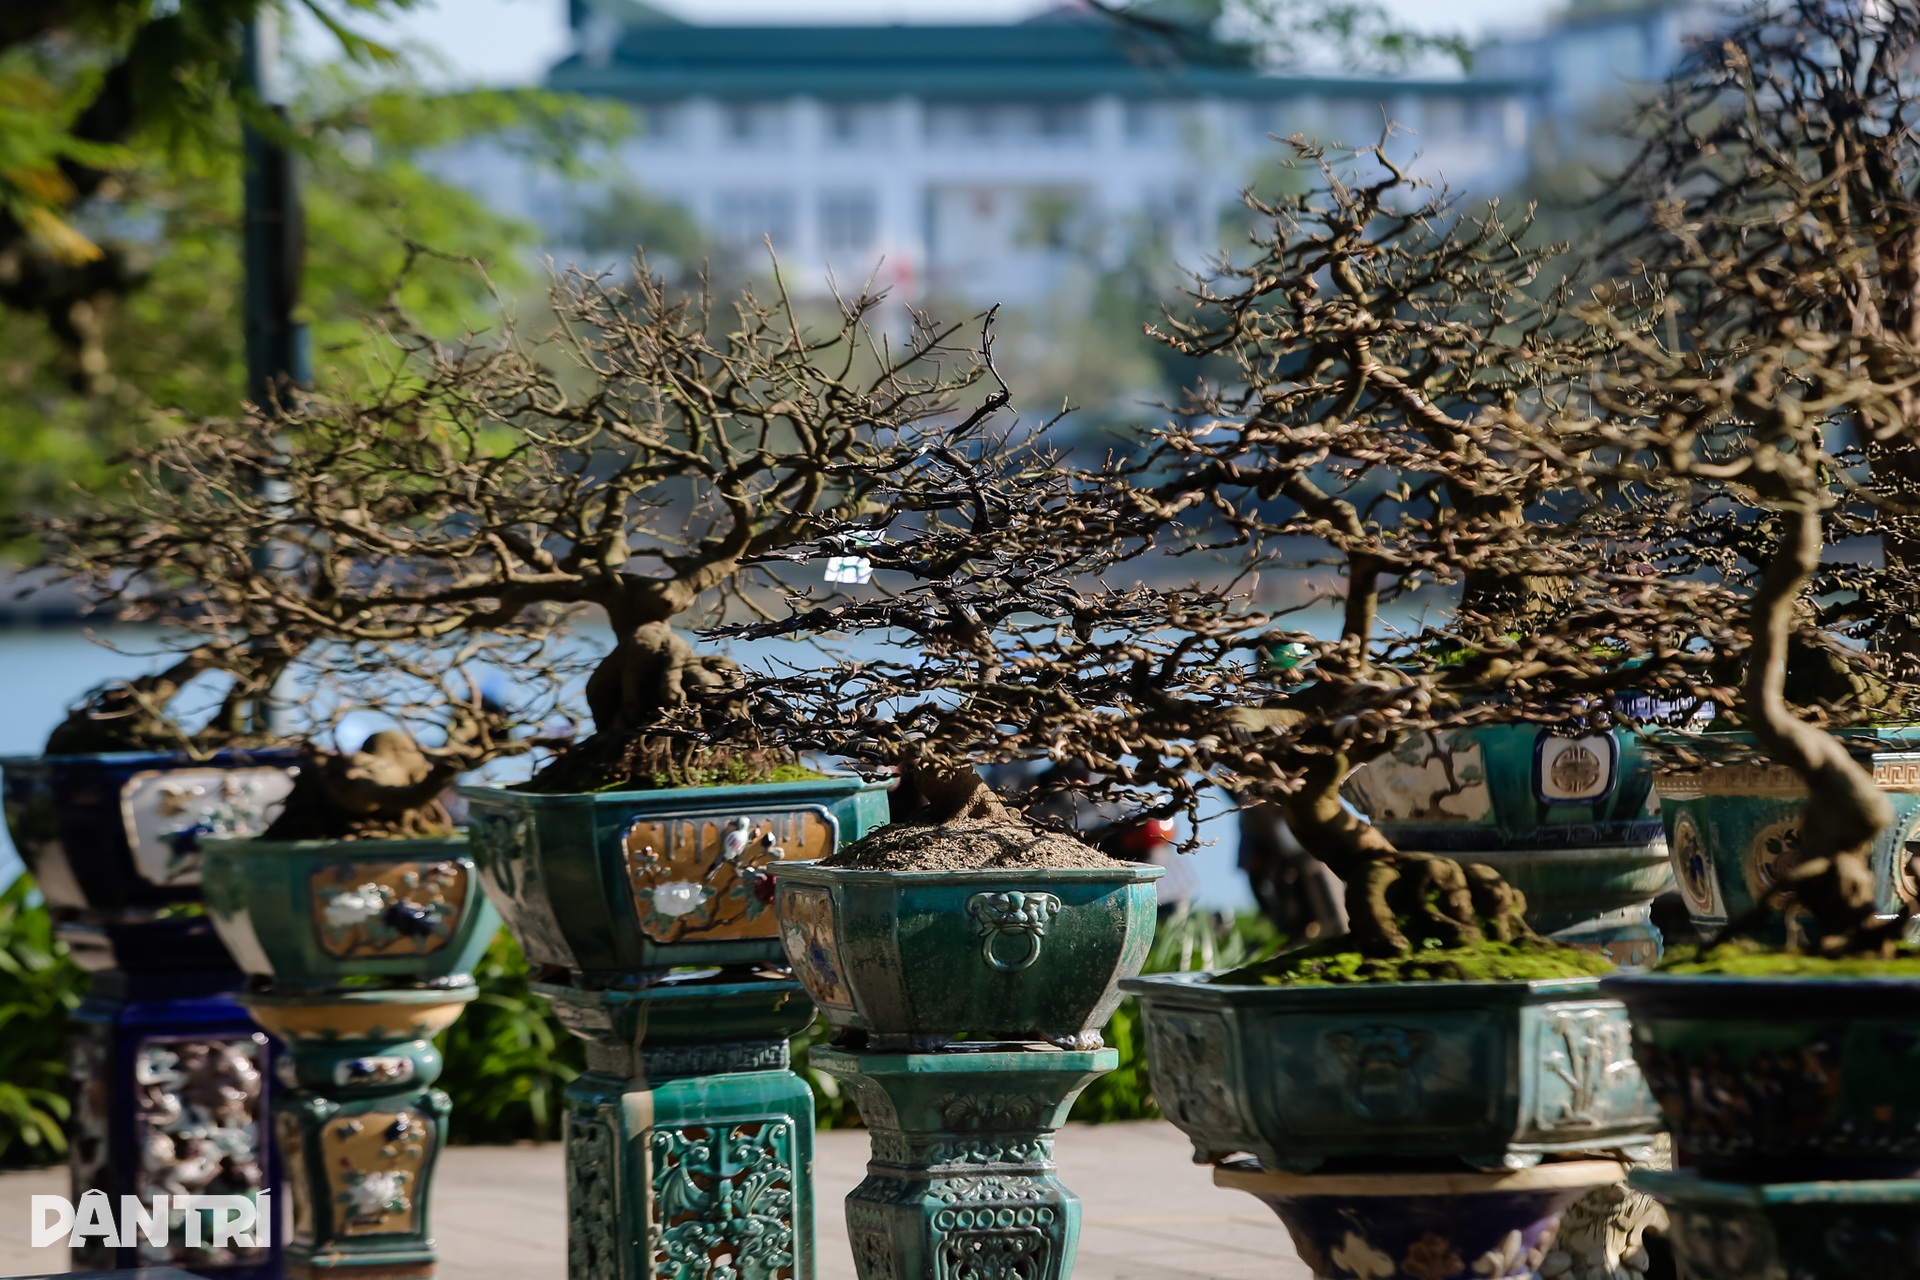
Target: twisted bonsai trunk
(1845, 812)
(1398, 901)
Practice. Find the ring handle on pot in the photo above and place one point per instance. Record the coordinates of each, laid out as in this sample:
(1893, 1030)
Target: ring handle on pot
(1026, 916)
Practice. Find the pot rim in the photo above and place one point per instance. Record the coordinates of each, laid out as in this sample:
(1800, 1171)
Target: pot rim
(1717, 997)
(1548, 1176)
(1194, 981)
(462, 994)
(242, 756)
(1688, 1186)
(1131, 873)
(837, 783)
(338, 849)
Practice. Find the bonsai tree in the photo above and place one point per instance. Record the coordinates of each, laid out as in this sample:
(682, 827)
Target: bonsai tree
(1365, 450)
(1742, 431)
(1793, 129)
(411, 546)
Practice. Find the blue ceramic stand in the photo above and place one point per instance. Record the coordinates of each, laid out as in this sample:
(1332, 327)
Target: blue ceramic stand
(172, 1083)
(171, 1079)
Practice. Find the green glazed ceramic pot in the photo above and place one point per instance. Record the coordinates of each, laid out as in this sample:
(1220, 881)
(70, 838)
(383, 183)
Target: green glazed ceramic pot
(1734, 828)
(1570, 821)
(309, 913)
(668, 1027)
(613, 884)
(916, 959)
(1782, 1078)
(1848, 1230)
(1498, 1074)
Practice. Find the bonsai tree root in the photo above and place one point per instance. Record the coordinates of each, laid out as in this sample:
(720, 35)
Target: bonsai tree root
(389, 788)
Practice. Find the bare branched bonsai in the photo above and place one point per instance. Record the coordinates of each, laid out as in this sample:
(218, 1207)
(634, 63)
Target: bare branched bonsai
(649, 457)
(1791, 131)
(1738, 432)
(1361, 453)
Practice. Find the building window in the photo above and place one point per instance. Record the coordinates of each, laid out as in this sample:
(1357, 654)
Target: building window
(754, 123)
(1045, 122)
(849, 221)
(660, 123)
(858, 124)
(743, 218)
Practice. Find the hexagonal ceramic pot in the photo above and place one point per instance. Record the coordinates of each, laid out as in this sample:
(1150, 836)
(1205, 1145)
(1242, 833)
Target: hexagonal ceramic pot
(1571, 822)
(1498, 1074)
(920, 958)
(1732, 827)
(1845, 1230)
(617, 883)
(309, 913)
(1782, 1079)
(107, 834)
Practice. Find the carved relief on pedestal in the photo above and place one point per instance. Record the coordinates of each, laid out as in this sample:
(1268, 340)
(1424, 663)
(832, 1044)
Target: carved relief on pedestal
(198, 1122)
(722, 1201)
(373, 1163)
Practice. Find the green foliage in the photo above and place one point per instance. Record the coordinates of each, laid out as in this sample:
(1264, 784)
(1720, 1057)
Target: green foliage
(508, 1059)
(1185, 942)
(174, 344)
(1330, 963)
(39, 986)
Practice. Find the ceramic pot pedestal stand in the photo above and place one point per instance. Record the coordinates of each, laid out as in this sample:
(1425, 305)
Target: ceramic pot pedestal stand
(689, 1142)
(1414, 1226)
(961, 1180)
(171, 1085)
(359, 1125)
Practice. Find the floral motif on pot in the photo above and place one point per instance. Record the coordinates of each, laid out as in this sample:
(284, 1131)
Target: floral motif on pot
(807, 934)
(1354, 1254)
(706, 877)
(1693, 868)
(1431, 1257)
(1771, 855)
(375, 910)
(167, 812)
(373, 1163)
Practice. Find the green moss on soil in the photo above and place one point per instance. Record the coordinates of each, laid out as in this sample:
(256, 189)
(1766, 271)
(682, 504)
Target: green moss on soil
(1744, 958)
(1329, 964)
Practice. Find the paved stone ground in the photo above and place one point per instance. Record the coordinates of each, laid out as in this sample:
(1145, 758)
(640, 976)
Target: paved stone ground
(1149, 1213)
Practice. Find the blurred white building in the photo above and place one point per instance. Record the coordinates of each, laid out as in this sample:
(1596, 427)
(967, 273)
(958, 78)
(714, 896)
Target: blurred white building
(978, 160)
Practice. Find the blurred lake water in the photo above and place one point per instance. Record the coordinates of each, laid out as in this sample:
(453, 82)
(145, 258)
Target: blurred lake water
(48, 669)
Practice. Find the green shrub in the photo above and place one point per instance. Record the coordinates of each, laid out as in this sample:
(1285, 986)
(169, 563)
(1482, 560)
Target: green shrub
(39, 986)
(1185, 942)
(508, 1059)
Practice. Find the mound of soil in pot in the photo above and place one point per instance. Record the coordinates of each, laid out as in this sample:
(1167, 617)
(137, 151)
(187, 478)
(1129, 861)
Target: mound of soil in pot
(995, 842)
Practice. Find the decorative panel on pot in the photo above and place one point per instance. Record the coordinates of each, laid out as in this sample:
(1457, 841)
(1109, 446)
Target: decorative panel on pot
(109, 833)
(1570, 820)
(1735, 828)
(618, 882)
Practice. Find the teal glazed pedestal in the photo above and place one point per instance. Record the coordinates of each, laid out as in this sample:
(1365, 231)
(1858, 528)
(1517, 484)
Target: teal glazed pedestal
(962, 1183)
(1570, 821)
(358, 953)
(650, 917)
(359, 1126)
(1734, 828)
(689, 1141)
(1419, 1226)
(1847, 1230)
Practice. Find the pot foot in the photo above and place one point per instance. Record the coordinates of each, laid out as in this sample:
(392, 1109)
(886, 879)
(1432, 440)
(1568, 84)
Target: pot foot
(1391, 1226)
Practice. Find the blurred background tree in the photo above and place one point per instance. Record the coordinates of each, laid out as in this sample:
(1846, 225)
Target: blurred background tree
(120, 212)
